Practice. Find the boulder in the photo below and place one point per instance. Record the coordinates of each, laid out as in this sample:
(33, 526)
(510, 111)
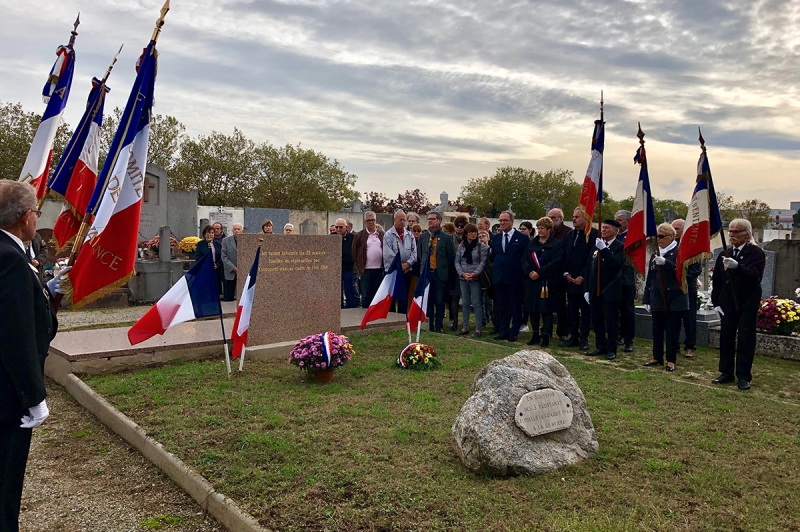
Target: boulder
(489, 440)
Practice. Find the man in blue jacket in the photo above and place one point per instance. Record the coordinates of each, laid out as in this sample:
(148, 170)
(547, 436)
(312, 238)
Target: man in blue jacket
(507, 249)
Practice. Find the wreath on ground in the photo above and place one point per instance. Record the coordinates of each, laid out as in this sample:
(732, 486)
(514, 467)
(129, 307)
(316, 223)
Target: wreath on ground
(419, 357)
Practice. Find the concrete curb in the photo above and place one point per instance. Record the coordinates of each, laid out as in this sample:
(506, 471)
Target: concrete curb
(222, 508)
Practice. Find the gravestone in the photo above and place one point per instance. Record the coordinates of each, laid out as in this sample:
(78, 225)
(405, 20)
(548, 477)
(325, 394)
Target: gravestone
(669, 214)
(182, 212)
(255, 216)
(543, 411)
(223, 217)
(154, 212)
(552, 203)
(309, 227)
(298, 289)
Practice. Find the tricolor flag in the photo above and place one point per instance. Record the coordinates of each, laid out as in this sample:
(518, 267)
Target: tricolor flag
(75, 176)
(242, 322)
(592, 190)
(56, 93)
(642, 224)
(419, 305)
(195, 296)
(105, 261)
(704, 221)
(392, 287)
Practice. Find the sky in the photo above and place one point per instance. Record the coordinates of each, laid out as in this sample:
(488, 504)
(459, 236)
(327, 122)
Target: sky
(429, 94)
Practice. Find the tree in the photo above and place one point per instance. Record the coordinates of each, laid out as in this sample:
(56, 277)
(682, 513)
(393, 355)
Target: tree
(295, 178)
(17, 129)
(727, 207)
(411, 201)
(681, 209)
(376, 202)
(526, 190)
(167, 134)
(756, 211)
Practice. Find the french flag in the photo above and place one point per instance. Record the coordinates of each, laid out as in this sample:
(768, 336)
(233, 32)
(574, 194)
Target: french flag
(194, 296)
(419, 305)
(643, 223)
(75, 176)
(592, 189)
(56, 93)
(242, 322)
(392, 287)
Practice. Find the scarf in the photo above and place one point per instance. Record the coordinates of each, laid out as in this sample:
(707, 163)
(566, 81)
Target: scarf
(668, 248)
(469, 247)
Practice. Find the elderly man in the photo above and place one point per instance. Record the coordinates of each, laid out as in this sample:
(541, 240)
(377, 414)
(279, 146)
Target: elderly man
(577, 256)
(367, 254)
(507, 248)
(27, 326)
(484, 225)
(412, 219)
(438, 247)
(561, 233)
(603, 291)
(288, 229)
(689, 318)
(347, 264)
(627, 310)
(399, 239)
(229, 258)
(736, 296)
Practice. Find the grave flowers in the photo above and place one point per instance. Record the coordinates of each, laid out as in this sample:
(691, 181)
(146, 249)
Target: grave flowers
(320, 354)
(778, 316)
(188, 244)
(418, 356)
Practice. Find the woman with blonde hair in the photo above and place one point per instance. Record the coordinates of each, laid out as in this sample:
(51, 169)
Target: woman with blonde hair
(543, 270)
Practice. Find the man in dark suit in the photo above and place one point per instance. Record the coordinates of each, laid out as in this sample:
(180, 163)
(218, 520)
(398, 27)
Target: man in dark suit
(736, 296)
(507, 248)
(438, 247)
(605, 304)
(28, 324)
(561, 233)
(577, 256)
(627, 307)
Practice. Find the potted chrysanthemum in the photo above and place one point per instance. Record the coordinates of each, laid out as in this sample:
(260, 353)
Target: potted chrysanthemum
(320, 354)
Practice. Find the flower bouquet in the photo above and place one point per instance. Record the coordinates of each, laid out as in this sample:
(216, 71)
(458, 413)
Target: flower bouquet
(188, 244)
(778, 316)
(321, 354)
(417, 356)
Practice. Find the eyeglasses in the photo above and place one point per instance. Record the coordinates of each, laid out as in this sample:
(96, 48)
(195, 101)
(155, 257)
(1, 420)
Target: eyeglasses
(460, 226)
(736, 231)
(37, 213)
(505, 220)
(416, 230)
(368, 220)
(339, 226)
(662, 236)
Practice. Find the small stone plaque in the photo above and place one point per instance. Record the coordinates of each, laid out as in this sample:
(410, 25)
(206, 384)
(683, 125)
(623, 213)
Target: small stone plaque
(543, 411)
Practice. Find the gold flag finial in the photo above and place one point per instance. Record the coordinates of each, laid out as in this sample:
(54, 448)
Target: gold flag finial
(160, 21)
(113, 62)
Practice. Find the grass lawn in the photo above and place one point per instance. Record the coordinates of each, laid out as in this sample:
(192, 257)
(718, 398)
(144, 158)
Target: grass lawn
(373, 451)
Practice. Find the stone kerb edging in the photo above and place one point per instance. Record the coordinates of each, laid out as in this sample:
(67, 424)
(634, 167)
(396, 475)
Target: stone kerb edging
(222, 508)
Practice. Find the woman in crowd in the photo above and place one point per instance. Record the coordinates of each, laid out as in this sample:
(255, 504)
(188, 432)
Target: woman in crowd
(455, 289)
(526, 228)
(267, 227)
(471, 258)
(416, 230)
(487, 290)
(664, 299)
(209, 245)
(543, 269)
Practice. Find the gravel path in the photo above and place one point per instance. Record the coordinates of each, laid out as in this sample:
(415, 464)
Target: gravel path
(83, 477)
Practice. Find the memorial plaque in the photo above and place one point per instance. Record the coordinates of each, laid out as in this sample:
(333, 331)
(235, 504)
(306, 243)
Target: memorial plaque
(543, 411)
(298, 289)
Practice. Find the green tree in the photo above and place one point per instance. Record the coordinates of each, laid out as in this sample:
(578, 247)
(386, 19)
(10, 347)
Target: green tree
(17, 129)
(681, 208)
(727, 207)
(756, 211)
(167, 134)
(295, 178)
(526, 190)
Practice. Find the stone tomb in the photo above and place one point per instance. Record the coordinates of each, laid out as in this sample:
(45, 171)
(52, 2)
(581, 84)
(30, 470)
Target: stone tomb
(160, 207)
(543, 411)
(298, 290)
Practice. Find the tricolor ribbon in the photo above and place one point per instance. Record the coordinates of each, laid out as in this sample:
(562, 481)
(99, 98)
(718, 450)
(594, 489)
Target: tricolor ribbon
(401, 359)
(327, 349)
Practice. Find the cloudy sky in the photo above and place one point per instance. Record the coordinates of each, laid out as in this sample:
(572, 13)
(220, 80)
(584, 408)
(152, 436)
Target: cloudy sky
(432, 93)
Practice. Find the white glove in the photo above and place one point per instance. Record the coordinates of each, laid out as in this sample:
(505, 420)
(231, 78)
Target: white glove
(729, 263)
(37, 415)
(718, 310)
(54, 284)
(647, 308)
(600, 244)
(586, 296)
(660, 260)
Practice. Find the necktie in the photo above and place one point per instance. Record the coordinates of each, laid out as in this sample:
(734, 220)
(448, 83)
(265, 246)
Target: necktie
(735, 253)
(505, 243)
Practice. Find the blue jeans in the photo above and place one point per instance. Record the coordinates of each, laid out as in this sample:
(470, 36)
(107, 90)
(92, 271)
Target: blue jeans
(471, 296)
(370, 281)
(436, 297)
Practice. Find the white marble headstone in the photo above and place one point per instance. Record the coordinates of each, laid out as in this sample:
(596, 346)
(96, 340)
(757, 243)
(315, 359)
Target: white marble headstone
(543, 411)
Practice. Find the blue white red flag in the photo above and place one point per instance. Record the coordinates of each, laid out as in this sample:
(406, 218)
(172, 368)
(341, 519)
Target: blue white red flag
(392, 287)
(419, 304)
(241, 325)
(195, 296)
(75, 176)
(642, 224)
(703, 223)
(56, 93)
(592, 189)
(105, 261)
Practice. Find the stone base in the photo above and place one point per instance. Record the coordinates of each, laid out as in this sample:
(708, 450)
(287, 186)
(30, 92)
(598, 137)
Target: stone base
(770, 345)
(706, 319)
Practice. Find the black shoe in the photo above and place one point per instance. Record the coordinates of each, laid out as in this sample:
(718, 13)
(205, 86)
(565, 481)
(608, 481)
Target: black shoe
(501, 337)
(476, 334)
(569, 343)
(596, 353)
(534, 340)
(670, 368)
(620, 341)
(654, 363)
(611, 355)
(628, 347)
(512, 338)
(439, 331)
(462, 333)
(723, 379)
(743, 384)
(584, 346)
(453, 326)
(545, 340)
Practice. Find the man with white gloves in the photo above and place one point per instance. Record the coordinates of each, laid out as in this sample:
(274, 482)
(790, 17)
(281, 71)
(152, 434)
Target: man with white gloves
(27, 326)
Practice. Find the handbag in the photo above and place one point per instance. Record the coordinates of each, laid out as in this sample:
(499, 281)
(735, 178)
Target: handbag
(484, 278)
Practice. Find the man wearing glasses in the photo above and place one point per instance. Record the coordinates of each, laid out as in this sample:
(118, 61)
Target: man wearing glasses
(736, 296)
(508, 277)
(368, 257)
(438, 247)
(347, 264)
(561, 233)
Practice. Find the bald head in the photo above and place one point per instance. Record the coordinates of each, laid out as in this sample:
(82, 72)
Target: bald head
(557, 215)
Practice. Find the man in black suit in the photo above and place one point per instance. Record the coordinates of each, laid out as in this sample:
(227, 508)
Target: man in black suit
(605, 304)
(438, 247)
(507, 248)
(28, 324)
(577, 256)
(736, 296)
(627, 306)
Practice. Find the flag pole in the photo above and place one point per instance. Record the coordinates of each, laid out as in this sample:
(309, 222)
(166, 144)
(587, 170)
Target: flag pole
(225, 344)
(600, 199)
(640, 134)
(244, 347)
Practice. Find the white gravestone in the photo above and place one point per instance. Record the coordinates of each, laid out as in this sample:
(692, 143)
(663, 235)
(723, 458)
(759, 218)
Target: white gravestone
(543, 411)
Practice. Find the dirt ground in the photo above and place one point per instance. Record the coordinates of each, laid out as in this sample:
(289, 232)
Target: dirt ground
(83, 477)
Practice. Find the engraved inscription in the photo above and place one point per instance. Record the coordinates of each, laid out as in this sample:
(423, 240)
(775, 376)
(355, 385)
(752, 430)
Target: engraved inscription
(543, 411)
